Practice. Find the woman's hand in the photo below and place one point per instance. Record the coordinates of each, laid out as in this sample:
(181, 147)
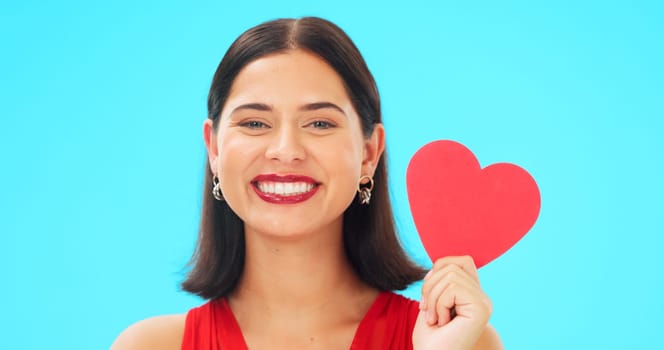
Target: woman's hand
(454, 310)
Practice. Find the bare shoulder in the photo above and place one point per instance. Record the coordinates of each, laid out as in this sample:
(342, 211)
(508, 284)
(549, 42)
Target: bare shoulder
(489, 340)
(161, 332)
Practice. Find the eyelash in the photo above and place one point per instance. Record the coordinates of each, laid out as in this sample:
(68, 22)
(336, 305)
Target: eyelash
(327, 125)
(317, 124)
(254, 124)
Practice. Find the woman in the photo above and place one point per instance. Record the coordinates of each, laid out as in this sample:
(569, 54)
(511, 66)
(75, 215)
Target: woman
(297, 246)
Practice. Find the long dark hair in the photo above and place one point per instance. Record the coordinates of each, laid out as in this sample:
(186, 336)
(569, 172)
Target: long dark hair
(369, 233)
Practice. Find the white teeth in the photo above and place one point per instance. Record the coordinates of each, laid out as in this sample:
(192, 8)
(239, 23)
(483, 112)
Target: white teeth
(284, 188)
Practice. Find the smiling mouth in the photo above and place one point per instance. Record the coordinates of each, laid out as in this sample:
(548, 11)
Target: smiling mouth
(287, 189)
(284, 188)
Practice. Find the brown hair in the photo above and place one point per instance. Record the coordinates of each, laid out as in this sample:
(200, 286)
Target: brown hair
(369, 233)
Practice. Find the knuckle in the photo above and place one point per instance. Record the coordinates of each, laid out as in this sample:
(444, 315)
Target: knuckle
(453, 270)
(425, 285)
(451, 267)
(440, 263)
(453, 274)
(452, 284)
(426, 288)
(488, 305)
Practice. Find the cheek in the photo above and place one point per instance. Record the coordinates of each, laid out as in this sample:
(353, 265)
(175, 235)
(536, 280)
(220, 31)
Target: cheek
(344, 162)
(235, 150)
(236, 154)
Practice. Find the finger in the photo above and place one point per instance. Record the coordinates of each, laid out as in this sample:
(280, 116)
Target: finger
(469, 303)
(435, 289)
(450, 275)
(432, 278)
(466, 262)
(456, 294)
(447, 271)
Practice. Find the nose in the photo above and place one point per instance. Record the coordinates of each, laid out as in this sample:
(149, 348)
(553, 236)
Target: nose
(285, 145)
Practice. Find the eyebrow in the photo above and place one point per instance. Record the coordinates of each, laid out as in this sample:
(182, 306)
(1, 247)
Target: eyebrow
(321, 105)
(307, 107)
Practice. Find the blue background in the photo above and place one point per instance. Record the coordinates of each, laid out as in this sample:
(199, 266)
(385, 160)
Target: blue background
(102, 155)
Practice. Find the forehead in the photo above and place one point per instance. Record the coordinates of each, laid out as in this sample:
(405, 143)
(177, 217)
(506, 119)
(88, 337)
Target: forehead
(291, 77)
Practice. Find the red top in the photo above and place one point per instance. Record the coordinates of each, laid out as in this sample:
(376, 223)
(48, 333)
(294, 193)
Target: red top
(388, 324)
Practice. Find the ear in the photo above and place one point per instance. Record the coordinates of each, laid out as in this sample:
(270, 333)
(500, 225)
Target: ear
(373, 149)
(210, 139)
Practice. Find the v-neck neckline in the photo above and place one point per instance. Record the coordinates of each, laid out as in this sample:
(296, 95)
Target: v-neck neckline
(363, 328)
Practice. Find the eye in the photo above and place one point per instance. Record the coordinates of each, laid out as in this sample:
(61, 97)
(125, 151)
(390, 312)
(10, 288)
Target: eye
(321, 124)
(254, 124)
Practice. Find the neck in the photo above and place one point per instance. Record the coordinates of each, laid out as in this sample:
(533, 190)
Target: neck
(284, 274)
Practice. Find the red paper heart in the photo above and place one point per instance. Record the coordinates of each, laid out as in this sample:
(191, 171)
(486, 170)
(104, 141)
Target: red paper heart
(461, 209)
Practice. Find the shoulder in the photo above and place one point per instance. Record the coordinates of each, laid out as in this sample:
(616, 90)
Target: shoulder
(489, 340)
(161, 332)
(403, 304)
(398, 299)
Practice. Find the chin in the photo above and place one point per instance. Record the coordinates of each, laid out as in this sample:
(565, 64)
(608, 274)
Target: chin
(289, 230)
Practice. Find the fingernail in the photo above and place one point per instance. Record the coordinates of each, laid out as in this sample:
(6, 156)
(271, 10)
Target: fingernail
(428, 274)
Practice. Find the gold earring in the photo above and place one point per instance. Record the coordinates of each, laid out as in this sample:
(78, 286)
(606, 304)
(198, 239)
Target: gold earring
(216, 189)
(365, 192)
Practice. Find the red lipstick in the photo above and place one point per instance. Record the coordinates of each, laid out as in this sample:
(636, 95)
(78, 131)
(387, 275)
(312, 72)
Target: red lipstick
(279, 198)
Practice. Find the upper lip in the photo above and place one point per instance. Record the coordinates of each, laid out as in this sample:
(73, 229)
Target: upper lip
(284, 178)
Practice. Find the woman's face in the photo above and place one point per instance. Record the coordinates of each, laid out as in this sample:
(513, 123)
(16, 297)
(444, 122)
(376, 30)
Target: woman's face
(289, 149)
